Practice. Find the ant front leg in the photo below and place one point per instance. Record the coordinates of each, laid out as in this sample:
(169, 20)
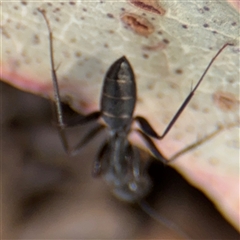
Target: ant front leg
(62, 125)
(147, 129)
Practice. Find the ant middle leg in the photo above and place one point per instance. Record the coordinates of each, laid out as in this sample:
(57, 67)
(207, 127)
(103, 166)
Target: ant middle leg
(159, 156)
(201, 141)
(152, 148)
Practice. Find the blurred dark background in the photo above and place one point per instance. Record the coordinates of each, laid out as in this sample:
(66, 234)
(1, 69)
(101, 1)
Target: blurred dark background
(46, 194)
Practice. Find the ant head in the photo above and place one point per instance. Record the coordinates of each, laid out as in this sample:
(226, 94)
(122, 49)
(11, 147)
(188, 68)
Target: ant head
(133, 190)
(122, 168)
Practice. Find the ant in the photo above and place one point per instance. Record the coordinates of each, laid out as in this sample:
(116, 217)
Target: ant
(118, 161)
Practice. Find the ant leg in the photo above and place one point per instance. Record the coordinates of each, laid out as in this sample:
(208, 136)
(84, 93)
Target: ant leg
(78, 120)
(162, 220)
(152, 148)
(86, 139)
(200, 141)
(81, 120)
(159, 156)
(97, 164)
(134, 156)
(145, 125)
(57, 100)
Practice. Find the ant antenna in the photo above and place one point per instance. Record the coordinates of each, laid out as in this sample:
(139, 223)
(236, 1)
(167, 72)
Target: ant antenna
(162, 220)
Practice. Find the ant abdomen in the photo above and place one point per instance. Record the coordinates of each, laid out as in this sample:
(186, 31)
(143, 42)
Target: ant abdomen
(118, 95)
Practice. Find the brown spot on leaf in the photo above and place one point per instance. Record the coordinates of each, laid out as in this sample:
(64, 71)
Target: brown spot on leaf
(231, 80)
(205, 25)
(16, 64)
(194, 106)
(139, 100)
(185, 26)
(213, 161)
(206, 110)
(150, 6)
(179, 71)
(24, 3)
(159, 95)
(225, 101)
(166, 41)
(159, 46)
(56, 10)
(145, 56)
(206, 8)
(190, 128)
(20, 26)
(4, 32)
(150, 86)
(66, 54)
(138, 24)
(83, 104)
(110, 15)
(173, 85)
(78, 54)
(36, 39)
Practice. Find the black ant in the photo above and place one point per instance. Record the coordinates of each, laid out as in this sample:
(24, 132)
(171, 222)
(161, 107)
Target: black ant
(118, 161)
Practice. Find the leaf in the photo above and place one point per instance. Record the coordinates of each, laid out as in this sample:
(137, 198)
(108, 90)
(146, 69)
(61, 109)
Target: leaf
(168, 51)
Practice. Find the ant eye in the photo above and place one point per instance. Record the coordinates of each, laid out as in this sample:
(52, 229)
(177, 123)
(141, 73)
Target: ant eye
(133, 186)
